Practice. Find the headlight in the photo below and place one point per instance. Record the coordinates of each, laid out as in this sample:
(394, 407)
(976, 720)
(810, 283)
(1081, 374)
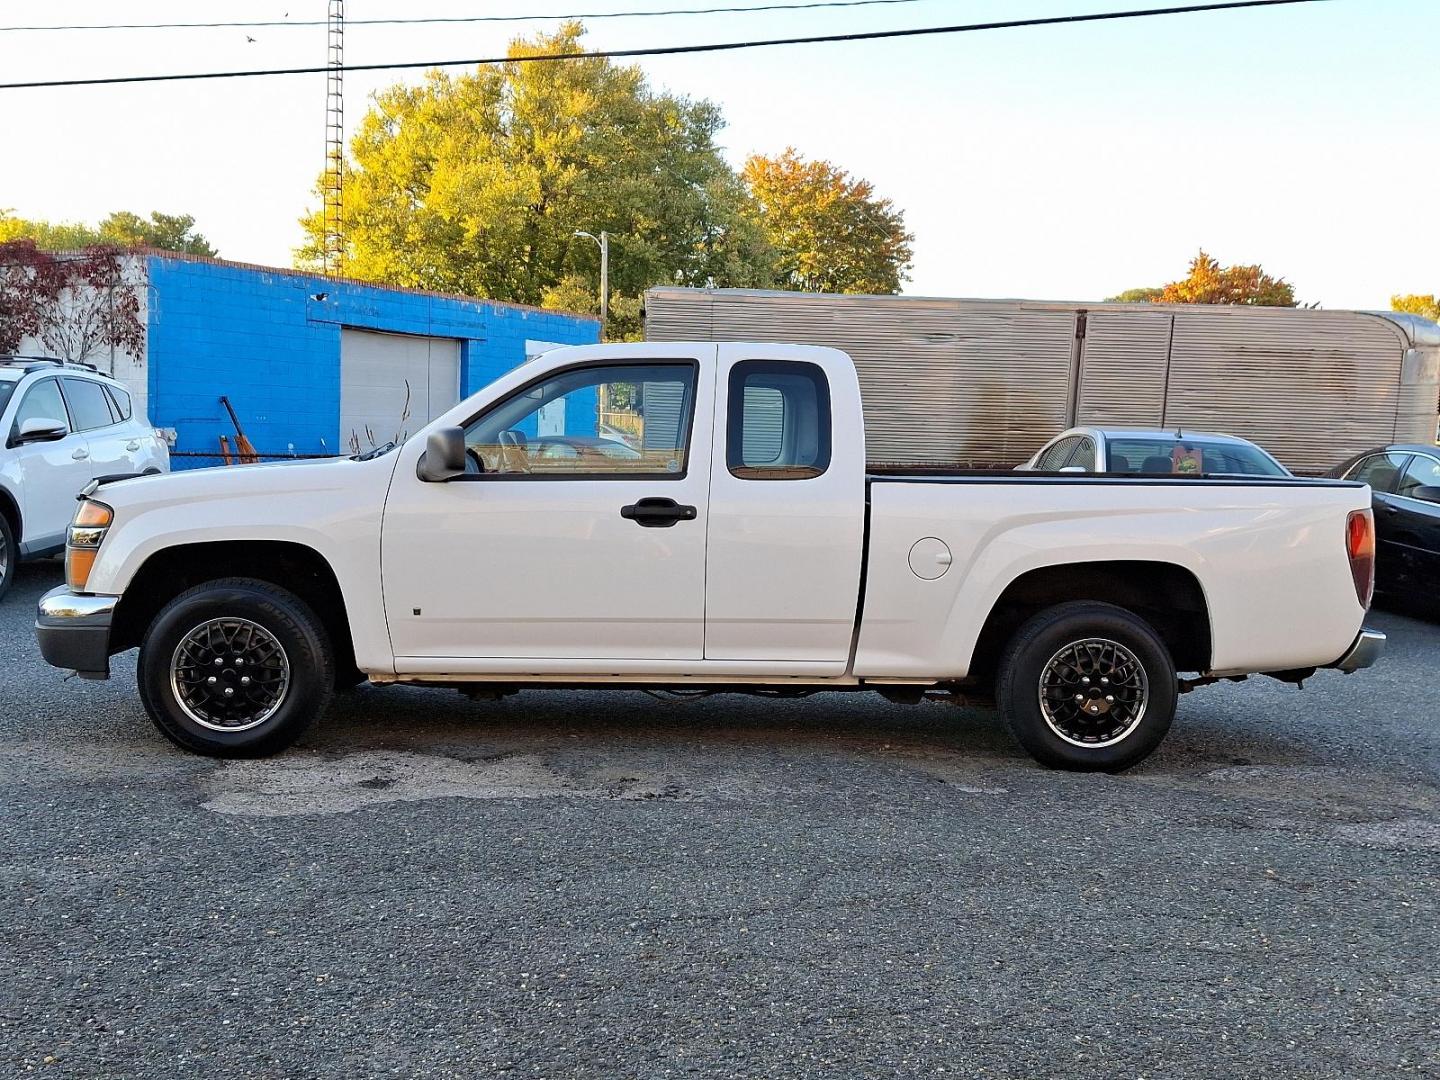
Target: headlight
(82, 541)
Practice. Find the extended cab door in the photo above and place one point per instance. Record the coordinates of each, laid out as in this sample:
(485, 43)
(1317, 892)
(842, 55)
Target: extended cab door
(578, 533)
(787, 506)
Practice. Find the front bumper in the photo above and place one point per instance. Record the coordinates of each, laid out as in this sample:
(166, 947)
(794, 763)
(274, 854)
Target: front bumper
(74, 631)
(1368, 646)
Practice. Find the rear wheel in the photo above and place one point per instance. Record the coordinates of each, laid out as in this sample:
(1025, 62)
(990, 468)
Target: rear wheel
(235, 668)
(1087, 686)
(9, 555)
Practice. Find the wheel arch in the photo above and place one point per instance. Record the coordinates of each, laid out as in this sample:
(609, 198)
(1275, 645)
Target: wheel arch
(10, 509)
(1166, 595)
(295, 567)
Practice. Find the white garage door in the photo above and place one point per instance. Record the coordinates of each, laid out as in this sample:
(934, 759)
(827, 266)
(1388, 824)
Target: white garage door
(375, 371)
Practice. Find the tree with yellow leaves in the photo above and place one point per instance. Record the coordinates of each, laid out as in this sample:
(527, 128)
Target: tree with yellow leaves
(830, 231)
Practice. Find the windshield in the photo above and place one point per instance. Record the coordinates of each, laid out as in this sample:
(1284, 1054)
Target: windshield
(1179, 456)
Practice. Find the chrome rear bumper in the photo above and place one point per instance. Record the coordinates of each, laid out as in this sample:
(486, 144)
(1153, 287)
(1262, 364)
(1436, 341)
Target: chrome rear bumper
(1363, 653)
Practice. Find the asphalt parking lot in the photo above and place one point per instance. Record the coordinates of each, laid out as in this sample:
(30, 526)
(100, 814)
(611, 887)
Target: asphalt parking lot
(603, 885)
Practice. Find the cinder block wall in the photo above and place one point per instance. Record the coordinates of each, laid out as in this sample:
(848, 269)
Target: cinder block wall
(269, 339)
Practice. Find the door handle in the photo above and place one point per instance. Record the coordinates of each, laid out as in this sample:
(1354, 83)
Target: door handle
(657, 513)
(80, 454)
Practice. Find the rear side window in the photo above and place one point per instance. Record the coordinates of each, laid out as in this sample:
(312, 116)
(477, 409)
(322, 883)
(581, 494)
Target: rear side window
(1380, 471)
(1084, 454)
(89, 407)
(1054, 458)
(120, 402)
(779, 420)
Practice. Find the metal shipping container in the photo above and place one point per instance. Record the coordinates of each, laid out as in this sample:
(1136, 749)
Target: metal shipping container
(983, 383)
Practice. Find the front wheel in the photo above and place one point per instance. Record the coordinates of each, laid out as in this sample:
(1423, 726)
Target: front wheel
(9, 555)
(1087, 686)
(235, 668)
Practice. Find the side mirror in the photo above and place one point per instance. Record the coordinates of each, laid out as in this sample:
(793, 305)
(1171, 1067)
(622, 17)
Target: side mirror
(444, 457)
(42, 429)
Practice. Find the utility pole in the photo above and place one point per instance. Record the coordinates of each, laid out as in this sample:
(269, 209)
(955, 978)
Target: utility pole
(604, 241)
(334, 242)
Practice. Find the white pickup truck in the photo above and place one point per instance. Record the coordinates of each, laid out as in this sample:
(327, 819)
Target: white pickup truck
(699, 517)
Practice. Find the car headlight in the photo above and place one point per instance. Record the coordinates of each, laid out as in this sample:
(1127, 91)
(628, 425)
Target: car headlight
(82, 541)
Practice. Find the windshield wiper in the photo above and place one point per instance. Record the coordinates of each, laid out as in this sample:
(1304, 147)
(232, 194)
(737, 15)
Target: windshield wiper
(379, 451)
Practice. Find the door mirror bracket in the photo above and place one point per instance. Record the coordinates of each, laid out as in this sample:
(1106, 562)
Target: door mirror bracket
(444, 457)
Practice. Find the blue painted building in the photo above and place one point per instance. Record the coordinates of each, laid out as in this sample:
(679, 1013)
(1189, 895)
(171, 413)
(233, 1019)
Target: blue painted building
(317, 365)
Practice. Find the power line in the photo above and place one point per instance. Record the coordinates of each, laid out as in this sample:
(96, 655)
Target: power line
(672, 50)
(423, 20)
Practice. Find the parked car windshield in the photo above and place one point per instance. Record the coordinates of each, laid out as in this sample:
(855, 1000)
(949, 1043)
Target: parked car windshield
(1158, 456)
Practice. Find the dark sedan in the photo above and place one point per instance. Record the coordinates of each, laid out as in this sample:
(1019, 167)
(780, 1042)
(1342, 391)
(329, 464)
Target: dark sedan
(1405, 479)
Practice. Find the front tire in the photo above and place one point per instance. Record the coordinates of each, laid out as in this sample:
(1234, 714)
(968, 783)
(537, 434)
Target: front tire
(235, 668)
(1087, 686)
(9, 555)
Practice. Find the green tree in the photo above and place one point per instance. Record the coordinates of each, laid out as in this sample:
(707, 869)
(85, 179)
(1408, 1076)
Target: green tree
(48, 236)
(1210, 283)
(1427, 307)
(123, 228)
(170, 232)
(830, 231)
(1143, 295)
(476, 184)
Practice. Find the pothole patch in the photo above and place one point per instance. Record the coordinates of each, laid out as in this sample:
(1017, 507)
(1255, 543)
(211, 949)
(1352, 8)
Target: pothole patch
(283, 787)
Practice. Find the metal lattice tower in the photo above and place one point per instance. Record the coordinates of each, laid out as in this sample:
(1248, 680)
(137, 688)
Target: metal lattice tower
(335, 139)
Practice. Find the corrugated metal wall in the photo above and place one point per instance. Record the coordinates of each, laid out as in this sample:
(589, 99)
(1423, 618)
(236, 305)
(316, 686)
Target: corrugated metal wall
(941, 383)
(1300, 387)
(984, 383)
(1122, 368)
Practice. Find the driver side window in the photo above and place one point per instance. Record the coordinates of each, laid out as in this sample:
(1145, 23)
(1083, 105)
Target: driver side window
(610, 421)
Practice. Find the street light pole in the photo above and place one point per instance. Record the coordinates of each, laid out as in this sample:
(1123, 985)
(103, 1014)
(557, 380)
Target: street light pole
(603, 240)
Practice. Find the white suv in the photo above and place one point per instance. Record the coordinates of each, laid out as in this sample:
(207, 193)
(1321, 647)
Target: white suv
(63, 425)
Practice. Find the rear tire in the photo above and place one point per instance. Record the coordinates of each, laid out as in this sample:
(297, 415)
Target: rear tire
(9, 555)
(1087, 686)
(235, 668)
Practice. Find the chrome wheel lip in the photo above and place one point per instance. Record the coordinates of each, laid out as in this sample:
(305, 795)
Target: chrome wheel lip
(257, 636)
(1122, 657)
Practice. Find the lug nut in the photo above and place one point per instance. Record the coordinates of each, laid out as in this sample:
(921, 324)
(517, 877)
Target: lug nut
(219, 662)
(239, 661)
(211, 680)
(244, 680)
(229, 691)
(1109, 697)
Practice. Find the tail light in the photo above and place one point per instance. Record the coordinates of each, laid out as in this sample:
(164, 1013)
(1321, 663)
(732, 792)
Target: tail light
(1360, 546)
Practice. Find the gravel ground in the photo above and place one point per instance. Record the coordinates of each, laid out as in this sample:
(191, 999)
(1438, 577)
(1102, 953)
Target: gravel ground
(602, 885)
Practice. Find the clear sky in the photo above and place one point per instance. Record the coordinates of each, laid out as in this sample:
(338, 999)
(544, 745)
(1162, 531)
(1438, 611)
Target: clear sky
(1056, 163)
